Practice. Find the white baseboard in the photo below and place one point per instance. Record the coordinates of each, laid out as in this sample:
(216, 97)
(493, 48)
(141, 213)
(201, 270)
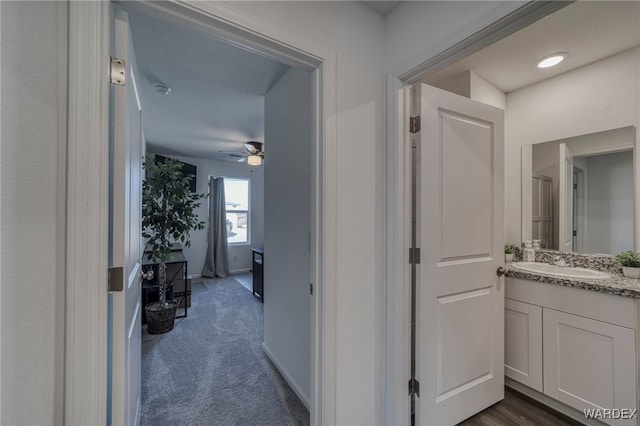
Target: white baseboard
(550, 402)
(194, 276)
(303, 397)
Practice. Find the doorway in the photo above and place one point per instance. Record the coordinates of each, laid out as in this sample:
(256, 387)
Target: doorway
(400, 124)
(320, 245)
(221, 99)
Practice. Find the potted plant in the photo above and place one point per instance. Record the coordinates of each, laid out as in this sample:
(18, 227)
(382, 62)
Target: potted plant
(509, 250)
(630, 262)
(168, 215)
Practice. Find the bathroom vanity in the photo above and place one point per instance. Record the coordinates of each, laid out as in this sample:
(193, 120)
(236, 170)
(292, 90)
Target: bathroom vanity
(570, 342)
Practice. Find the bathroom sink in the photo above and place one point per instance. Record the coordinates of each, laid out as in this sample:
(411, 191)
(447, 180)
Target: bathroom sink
(559, 271)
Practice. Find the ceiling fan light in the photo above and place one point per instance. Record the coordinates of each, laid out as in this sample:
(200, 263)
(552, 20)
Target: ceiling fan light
(254, 160)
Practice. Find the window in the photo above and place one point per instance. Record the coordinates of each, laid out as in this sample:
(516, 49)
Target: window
(236, 193)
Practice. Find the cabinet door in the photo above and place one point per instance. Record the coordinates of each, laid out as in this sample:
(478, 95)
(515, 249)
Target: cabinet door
(523, 343)
(588, 363)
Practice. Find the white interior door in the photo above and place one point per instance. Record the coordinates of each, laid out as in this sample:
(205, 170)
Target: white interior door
(126, 235)
(565, 199)
(461, 229)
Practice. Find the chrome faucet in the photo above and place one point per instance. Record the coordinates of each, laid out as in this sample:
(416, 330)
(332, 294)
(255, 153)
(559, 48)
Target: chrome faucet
(559, 261)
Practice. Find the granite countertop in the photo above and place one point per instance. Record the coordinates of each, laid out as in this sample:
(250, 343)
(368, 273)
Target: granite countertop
(617, 285)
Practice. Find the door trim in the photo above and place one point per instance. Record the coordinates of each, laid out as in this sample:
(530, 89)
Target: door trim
(85, 396)
(511, 18)
(87, 219)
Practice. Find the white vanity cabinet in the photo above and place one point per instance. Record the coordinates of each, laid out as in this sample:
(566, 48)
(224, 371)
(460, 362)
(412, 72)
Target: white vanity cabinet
(523, 343)
(588, 363)
(572, 346)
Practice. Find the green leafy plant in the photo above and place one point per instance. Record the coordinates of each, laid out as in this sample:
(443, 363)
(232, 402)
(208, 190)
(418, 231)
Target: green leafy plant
(510, 248)
(629, 259)
(168, 212)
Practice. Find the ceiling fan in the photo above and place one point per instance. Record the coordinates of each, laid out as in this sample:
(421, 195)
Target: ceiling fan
(254, 153)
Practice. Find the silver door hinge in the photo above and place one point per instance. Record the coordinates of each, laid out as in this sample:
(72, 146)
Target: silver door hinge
(116, 279)
(414, 124)
(117, 74)
(414, 387)
(414, 256)
(311, 288)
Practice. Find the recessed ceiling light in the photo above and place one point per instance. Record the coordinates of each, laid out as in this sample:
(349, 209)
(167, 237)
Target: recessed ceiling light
(551, 60)
(161, 88)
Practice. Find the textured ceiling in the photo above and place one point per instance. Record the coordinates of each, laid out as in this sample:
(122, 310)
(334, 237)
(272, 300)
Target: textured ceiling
(217, 93)
(587, 30)
(382, 7)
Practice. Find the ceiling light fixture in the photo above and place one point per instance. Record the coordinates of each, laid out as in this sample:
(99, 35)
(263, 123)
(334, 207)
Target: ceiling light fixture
(254, 160)
(161, 88)
(551, 60)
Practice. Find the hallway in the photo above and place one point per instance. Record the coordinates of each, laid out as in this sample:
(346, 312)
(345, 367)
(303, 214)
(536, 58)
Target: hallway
(211, 370)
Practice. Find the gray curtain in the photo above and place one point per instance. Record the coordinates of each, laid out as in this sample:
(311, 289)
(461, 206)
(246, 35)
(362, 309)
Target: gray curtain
(216, 264)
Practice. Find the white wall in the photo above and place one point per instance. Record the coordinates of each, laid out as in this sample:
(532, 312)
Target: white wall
(32, 212)
(610, 203)
(418, 30)
(287, 273)
(353, 35)
(601, 96)
(239, 255)
(472, 86)
(483, 91)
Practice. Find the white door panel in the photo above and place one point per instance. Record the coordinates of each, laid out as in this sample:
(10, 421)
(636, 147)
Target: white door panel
(565, 199)
(126, 234)
(460, 318)
(462, 238)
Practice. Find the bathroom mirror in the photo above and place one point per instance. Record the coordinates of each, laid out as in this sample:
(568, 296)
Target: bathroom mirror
(578, 192)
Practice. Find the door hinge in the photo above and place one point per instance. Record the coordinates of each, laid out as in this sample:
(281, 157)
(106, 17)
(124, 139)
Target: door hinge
(414, 387)
(575, 186)
(311, 288)
(575, 233)
(117, 74)
(116, 279)
(414, 256)
(414, 124)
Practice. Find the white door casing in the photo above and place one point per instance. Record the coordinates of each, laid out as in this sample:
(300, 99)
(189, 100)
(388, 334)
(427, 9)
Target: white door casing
(565, 200)
(461, 228)
(126, 234)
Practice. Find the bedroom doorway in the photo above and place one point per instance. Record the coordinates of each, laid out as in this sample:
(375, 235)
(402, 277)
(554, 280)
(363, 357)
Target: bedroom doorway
(215, 25)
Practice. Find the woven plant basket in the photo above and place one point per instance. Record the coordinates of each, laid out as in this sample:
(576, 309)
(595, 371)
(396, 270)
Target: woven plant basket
(160, 320)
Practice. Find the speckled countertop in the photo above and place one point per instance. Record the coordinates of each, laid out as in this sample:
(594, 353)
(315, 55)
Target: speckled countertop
(617, 285)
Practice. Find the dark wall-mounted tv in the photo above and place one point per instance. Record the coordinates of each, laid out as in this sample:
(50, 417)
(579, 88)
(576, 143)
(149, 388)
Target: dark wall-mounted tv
(187, 169)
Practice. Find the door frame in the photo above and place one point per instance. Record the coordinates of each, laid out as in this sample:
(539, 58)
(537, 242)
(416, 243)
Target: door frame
(86, 324)
(508, 19)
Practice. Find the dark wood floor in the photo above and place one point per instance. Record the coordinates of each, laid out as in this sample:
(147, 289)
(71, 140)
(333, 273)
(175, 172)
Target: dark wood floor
(517, 409)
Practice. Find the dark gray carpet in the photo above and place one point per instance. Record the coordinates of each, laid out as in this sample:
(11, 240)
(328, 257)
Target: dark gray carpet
(211, 370)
